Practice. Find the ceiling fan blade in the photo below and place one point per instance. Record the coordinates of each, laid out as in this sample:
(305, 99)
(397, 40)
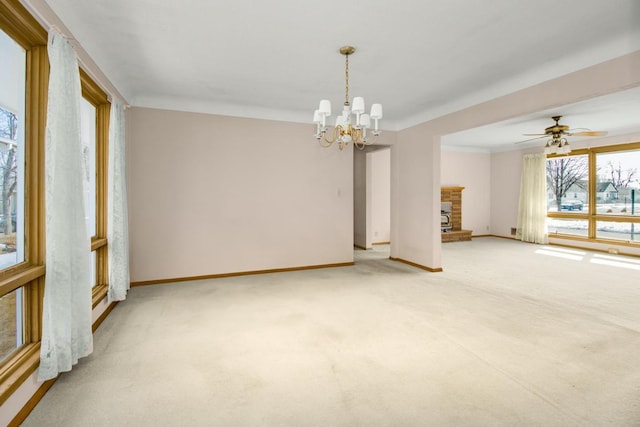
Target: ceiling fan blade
(534, 134)
(531, 139)
(589, 133)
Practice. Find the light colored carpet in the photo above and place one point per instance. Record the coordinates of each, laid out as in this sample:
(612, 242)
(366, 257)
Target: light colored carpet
(509, 334)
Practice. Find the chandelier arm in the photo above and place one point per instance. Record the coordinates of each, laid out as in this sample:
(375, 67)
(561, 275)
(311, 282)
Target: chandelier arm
(336, 131)
(360, 145)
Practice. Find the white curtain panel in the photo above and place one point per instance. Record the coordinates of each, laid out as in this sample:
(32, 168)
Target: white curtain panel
(117, 223)
(66, 322)
(532, 208)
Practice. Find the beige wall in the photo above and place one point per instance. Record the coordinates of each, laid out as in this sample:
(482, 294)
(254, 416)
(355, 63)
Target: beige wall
(415, 200)
(473, 172)
(506, 169)
(381, 195)
(361, 199)
(211, 194)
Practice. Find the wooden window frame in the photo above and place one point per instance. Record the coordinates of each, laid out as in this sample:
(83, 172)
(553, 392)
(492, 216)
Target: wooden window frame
(591, 215)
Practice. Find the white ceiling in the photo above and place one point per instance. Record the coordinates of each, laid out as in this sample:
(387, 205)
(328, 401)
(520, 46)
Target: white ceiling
(276, 59)
(617, 113)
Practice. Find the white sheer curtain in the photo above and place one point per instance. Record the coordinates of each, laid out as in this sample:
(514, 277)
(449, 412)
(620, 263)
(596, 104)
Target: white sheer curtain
(66, 320)
(118, 230)
(532, 209)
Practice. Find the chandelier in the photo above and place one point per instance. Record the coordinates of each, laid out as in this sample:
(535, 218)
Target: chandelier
(352, 124)
(557, 145)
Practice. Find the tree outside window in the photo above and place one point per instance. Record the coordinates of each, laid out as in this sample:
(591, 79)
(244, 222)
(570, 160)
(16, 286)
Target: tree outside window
(8, 175)
(567, 183)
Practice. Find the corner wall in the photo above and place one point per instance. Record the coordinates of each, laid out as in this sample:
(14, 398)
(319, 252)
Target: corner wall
(473, 172)
(361, 200)
(214, 195)
(416, 170)
(381, 195)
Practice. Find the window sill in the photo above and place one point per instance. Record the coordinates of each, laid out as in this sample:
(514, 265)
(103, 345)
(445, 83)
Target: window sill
(20, 366)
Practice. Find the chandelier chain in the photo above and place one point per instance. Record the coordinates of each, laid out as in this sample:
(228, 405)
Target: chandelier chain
(346, 77)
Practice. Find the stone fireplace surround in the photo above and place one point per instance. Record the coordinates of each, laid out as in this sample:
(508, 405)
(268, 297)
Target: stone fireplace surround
(454, 196)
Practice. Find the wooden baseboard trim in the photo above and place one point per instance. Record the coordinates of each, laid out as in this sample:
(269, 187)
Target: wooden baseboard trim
(381, 243)
(359, 247)
(241, 273)
(31, 403)
(500, 237)
(413, 264)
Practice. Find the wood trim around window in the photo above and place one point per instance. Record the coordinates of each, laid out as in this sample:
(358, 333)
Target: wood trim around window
(18, 23)
(592, 217)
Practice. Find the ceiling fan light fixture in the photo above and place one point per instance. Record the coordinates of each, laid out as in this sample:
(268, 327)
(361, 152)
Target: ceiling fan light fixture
(548, 148)
(558, 144)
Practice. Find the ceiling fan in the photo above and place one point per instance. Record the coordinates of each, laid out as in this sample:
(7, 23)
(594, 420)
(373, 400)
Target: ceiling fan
(557, 143)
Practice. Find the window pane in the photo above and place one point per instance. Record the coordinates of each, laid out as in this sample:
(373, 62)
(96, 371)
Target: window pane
(12, 119)
(88, 122)
(617, 230)
(568, 184)
(618, 188)
(10, 323)
(574, 227)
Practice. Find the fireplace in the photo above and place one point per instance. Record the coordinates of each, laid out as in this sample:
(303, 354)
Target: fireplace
(451, 215)
(445, 217)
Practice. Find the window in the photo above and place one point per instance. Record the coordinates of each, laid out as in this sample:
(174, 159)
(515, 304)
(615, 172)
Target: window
(95, 110)
(11, 321)
(12, 123)
(573, 227)
(618, 192)
(88, 130)
(23, 80)
(595, 194)
(567, 183)
(12, 169)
